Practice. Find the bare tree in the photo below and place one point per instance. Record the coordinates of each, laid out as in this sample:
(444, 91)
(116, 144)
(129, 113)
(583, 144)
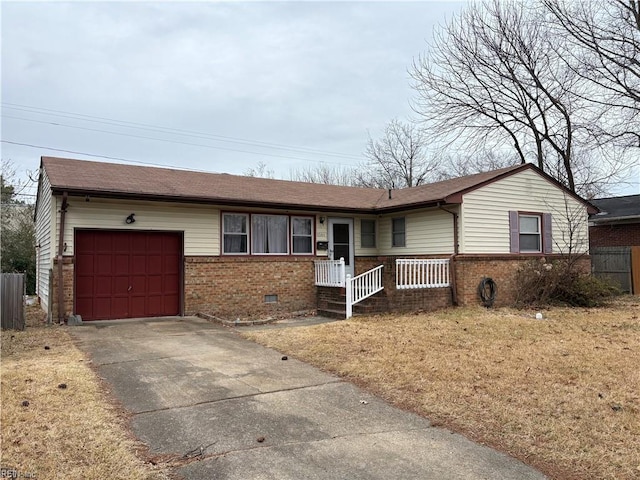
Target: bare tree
(491, 77)
(495, 78)
(460, 165)
(325, 174)
(399, 159)
(261, 170)
(603, 47)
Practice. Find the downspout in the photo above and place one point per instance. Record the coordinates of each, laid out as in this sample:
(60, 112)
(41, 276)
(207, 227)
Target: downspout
(63, 211)
(452, 258)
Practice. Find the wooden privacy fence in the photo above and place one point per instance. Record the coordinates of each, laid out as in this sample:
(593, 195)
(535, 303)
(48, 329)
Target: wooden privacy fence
(12, 295)
(613, 263)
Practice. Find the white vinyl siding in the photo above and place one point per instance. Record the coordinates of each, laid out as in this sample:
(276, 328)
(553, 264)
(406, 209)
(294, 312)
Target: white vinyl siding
(44, 230)
(200, 223)
(427, 232)
(485, 214)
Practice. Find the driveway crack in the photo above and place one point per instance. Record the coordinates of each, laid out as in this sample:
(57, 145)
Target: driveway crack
(236, 397)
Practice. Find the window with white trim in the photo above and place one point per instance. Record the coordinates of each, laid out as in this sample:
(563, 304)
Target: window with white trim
(367, 233)
(530, 233)
(266, 234)
(302, 235)
(398, 232)
(269, 234)
(235, 233)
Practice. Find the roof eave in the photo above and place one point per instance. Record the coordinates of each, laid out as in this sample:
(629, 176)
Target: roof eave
(206, 200)
(418, 205)
(622, 219)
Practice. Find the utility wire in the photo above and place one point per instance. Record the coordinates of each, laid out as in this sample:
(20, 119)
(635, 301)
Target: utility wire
(57, 124)
(97, 155)
(175, 131)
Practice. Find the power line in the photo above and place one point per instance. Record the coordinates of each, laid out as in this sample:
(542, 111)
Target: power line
(165, 140)
(170, 130)
(96, 155)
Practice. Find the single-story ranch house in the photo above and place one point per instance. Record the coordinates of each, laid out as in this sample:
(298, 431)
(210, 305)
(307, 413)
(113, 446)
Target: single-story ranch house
(122, 241)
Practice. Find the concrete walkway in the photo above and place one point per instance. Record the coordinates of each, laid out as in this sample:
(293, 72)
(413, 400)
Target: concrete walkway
(231, 409)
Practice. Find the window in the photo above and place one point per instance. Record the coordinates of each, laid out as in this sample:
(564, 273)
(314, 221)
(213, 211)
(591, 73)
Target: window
(302, 235)
(266, 234)
(269, 234)
(398, 233)
(367, 233)
(235, 234)
(530, 236)
(530, 232)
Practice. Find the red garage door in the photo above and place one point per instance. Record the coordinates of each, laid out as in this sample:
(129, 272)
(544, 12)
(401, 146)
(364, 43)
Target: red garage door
(127, 274)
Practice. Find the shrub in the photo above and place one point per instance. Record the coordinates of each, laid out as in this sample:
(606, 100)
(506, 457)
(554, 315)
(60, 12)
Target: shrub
(540, 282)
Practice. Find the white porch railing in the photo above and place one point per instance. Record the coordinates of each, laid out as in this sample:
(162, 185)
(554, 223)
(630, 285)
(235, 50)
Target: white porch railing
(422, 273)
(363, 286)
(330, 273)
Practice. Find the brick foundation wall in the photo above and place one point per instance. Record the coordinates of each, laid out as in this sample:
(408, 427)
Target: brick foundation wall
(228, 287)
(67, 278)
(625, 235)
(404, 300)
(232, 287)
(411, 300)
(470, 270)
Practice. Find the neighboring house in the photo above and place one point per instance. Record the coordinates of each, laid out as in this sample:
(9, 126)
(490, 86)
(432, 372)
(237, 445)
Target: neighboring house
(614, 240)
(118, 241)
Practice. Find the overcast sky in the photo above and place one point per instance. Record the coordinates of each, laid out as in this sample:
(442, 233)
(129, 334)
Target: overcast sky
(214, 86)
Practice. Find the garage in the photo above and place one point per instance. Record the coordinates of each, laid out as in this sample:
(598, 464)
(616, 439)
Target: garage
(127, 274)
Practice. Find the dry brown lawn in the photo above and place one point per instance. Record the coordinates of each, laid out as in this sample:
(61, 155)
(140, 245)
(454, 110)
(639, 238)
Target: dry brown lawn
(562, 393)
(69, 428)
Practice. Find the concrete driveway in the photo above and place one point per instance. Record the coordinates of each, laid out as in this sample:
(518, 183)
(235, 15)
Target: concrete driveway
(235, 410)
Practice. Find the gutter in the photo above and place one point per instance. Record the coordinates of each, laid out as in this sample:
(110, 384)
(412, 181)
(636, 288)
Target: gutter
(63, 212)
(213, 201)
(619, 219)
(452, 258)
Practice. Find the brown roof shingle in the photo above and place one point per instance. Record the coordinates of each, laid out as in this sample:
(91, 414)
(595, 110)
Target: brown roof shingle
(82, 177)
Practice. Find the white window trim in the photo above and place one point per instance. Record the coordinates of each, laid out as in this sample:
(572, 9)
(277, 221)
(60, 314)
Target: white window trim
(311, 235)
(288, 217)
(246, 234)
(393, 232)
(538, 233)
(375, 232)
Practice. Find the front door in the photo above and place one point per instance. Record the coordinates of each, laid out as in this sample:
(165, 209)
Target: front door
(341, 242)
